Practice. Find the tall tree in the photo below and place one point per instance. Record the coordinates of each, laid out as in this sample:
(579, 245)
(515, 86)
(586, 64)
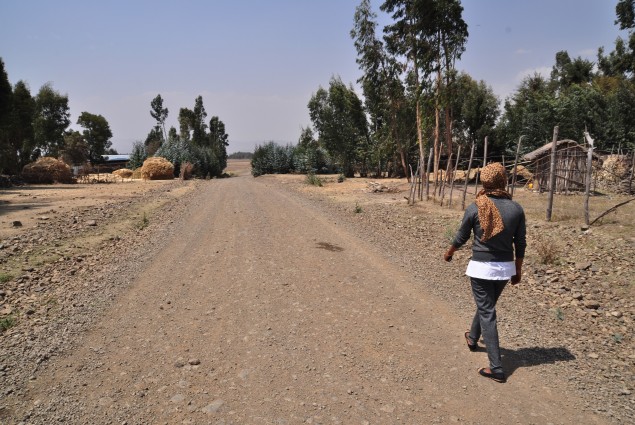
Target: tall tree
(198, 122)
(21, 135)
(159, 113)
(218, 141)
(430, 35)
(338, 118)
(76, 149)
(52, 118)
(475, 110)
(96, 133)
(383, 90)
(621, 61)
(186, 124)
(6, 106)
(567, 72)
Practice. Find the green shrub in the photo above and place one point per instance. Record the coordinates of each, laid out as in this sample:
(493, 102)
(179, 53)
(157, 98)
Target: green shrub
(313, 180)
(5, 277)
(272, 158)
(7, 323)
(358, 208)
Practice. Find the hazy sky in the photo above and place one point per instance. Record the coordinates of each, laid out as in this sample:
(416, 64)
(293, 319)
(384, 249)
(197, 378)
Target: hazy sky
(255, 62)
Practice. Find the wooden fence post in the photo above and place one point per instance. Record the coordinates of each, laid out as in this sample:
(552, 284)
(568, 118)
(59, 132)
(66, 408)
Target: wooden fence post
(630, 179)
(443, 180)
(552, 173)
(467, 176)
(456, 166)
(428, 174)
(485, 153)
(589, 170)
(516, 165)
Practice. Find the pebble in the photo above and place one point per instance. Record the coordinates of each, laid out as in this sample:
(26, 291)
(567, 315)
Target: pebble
(194, 362)
(213, 407)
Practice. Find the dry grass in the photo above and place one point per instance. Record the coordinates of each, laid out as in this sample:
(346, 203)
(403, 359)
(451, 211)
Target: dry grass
(124, 173)
(157, 168)
(47, 170)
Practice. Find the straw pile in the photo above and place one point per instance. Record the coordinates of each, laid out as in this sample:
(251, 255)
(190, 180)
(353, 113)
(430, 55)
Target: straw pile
(157, 168)
(614, 169)
(47, 170)
(124, 173)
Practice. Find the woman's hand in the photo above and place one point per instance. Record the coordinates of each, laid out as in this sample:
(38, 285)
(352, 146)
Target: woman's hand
(450, 252)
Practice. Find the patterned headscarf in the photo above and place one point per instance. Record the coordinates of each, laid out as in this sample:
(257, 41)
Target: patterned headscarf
(494, 181)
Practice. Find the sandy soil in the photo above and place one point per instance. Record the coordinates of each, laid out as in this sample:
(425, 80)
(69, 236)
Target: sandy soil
(259, 306)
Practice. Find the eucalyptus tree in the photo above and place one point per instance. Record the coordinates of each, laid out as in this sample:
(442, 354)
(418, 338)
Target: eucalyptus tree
(97, 134)
(76, 149)
(20, 135)
(429, 36)
(218, 141)
(160, 114)
(338, 118)
(621, 61)
(199, 126)
(530, 111)
(51, 119)
(567, 72)
(475, 110)
(6, 106)
(384, 91)
(186, 124)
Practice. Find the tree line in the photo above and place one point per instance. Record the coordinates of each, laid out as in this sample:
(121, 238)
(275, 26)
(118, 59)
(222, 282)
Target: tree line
(414, 100)
(202, 144)
(35, 126)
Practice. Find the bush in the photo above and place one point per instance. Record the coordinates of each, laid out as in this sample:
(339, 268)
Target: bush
(177, 152)
(157, 168)
(313, 180)
(47, 170)
(7, 323)
(547, 248)
(272, 158)
(312, 159)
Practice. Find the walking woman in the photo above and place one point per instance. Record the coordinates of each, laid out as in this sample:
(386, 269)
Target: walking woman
(498, 225)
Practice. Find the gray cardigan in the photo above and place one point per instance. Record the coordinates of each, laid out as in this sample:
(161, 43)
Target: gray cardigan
(500, 247)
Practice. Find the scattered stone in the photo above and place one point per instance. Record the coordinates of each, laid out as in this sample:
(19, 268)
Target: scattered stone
(177, 398)
(583, 266)
(16, 223)
(617, 314)
(179, 363)
(593, 304)
(194, 362)
(91, 223)
(593, 356)
(213, 407)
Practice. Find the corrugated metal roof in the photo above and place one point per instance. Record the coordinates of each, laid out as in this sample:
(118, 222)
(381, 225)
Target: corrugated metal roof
(114, 158)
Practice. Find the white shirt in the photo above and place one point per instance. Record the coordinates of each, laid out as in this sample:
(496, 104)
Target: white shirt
(491, 270)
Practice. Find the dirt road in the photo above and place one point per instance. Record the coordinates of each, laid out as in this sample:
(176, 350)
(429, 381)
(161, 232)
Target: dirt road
(263, 310)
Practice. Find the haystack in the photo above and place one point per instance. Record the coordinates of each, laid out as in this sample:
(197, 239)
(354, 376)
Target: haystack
(124, 173)
(157, 168)
(47, 170)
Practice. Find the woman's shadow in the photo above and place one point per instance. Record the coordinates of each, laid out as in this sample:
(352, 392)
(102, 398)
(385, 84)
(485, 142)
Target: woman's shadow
(533, 356)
